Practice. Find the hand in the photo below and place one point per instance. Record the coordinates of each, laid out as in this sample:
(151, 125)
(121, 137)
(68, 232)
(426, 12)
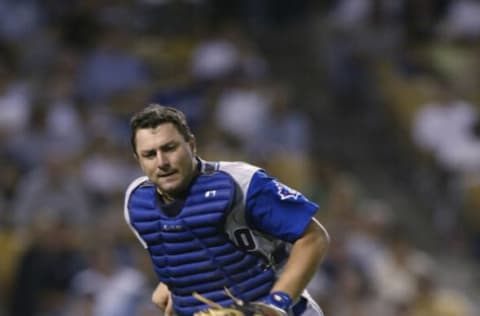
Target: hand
(162, 298)
(239, 307)
(276, 304)
(265, 309)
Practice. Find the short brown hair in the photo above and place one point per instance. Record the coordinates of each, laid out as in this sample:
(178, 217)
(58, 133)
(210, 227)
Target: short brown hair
(156, 114)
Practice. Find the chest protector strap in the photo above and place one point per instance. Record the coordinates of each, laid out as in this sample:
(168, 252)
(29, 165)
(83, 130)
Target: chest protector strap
(192, 252)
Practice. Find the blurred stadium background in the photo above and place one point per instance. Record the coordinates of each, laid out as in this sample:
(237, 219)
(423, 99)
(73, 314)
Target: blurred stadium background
(369, 107)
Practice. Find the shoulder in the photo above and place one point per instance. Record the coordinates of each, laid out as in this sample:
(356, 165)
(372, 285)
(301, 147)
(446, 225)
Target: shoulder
(139, 193)
(238, 169)
(234, 168)
(133, 186)
(138, 182)
(241, 172)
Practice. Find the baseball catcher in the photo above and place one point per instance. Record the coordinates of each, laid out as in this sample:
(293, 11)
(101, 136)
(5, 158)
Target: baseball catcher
(211, 225)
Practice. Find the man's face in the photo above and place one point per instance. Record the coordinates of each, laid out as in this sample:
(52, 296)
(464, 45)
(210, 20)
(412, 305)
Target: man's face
(166, 157)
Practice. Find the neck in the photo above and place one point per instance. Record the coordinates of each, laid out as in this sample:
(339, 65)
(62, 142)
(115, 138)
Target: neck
(167, 198)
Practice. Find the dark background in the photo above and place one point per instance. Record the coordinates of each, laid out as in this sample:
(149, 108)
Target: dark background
(328, 96)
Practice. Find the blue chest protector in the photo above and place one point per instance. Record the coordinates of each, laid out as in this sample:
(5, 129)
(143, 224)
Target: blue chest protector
(192, 252)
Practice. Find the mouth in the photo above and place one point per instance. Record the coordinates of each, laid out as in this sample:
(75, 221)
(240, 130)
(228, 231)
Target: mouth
(168, 174)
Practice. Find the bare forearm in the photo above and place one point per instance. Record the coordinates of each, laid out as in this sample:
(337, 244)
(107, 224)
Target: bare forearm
(306, 254)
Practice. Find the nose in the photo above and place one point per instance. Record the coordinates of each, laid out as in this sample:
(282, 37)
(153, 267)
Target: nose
(162, 160)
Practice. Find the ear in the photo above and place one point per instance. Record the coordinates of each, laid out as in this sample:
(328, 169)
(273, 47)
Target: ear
(193, 145)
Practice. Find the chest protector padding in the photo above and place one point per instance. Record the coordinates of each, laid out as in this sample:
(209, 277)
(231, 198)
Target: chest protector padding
(191, 251)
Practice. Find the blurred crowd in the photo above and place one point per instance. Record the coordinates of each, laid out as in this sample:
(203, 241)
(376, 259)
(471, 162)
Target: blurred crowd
(369, 107)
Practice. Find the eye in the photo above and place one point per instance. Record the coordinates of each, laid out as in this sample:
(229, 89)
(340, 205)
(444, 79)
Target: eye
(170, 147)
(149, 154)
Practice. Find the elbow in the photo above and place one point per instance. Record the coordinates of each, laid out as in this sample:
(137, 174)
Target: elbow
(322, 240)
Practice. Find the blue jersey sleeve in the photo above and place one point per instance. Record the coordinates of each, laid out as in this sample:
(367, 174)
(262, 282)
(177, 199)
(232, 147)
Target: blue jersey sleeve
(275, 209)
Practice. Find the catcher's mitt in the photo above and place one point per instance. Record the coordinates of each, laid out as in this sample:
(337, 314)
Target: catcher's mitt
(238, 308)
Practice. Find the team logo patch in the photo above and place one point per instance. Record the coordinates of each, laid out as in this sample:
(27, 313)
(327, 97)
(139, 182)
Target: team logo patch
(285, 192)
